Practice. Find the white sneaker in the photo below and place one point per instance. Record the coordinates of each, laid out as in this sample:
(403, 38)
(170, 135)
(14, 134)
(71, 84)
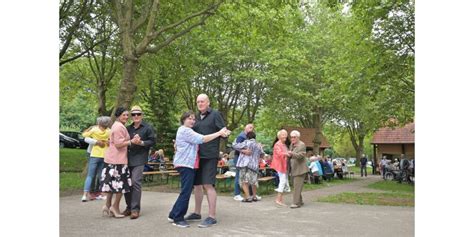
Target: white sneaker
(84, 198)
(238, 198)
(287, 190)
(258, 197)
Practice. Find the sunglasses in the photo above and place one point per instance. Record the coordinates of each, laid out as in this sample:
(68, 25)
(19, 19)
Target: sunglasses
(137, 114)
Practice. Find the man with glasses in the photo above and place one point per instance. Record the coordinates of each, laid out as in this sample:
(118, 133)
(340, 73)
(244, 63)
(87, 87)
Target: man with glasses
(143, 138)
(299, 169)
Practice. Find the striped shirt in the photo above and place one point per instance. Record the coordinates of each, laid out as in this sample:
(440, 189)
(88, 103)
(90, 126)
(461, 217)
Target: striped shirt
(187, 141)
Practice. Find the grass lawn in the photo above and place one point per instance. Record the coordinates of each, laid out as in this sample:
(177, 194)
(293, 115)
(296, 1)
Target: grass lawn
(70, 181)
(393, 186)
(356, 170)
(384, 199)
(72, 160)
(396, 195)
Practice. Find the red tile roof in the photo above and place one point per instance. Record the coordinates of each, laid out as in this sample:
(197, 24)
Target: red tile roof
(307, 136)
(397, 135)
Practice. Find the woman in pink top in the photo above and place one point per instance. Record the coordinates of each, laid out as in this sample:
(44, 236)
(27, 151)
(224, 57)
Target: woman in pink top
(116, 175)
(279, 164)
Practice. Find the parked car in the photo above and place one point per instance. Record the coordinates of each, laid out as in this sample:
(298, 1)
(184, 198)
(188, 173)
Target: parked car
(65, 141)
(78, 136)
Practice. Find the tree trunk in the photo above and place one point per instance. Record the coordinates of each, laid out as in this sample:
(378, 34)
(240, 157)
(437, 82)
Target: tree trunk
(318, 130)
(102, 98)
(128, 85)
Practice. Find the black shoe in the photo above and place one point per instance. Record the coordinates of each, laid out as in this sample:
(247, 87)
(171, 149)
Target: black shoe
(208, 222)
(192, 217)
(182, 224)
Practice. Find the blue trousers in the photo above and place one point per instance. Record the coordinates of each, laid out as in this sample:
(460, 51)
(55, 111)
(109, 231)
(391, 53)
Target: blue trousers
(95, 164)
(181, 205)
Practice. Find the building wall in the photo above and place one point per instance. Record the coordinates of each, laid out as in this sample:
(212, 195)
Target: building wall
(395, 150)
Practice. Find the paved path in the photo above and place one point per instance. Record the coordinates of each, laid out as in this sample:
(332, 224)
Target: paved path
(245, 219)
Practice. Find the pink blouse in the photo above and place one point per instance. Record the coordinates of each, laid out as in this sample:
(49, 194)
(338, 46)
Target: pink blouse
(114, 155)
(279, 162)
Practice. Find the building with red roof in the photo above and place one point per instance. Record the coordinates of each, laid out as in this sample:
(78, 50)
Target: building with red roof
(392, 142)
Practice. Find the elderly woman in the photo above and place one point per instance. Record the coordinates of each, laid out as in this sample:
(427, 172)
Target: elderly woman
(100, 134)
(115, 177)
(279, 164)
(299, 169)
(185, 161)
(248, 166)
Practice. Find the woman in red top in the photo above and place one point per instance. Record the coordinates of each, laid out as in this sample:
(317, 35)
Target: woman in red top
(279, 164)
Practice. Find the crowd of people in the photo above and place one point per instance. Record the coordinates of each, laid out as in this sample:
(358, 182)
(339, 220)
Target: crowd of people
(119, 154)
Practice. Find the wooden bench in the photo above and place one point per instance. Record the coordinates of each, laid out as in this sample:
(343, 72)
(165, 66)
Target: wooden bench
(161, 173)
(266, 180)
(221, 177)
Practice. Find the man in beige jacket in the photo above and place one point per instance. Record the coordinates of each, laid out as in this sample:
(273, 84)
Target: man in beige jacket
(299, 169)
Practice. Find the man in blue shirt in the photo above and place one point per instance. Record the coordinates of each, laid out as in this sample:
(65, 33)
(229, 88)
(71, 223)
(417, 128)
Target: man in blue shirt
(242, 137)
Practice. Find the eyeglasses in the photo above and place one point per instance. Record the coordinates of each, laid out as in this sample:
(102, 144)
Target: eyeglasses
(137, 114)
(293, 137)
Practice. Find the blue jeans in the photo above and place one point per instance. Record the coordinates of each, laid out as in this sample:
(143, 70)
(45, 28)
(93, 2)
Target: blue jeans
(181, 205)
(94, 165)
(236, 183)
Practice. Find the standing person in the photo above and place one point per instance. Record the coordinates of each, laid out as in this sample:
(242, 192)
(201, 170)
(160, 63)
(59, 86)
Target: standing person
(383, 164)
(373, 167)
(185, 161)
(100, 134)
(363, 166)
(208, 121)
(248, 166)
(115, 177)
(299, 169)
(279, 164)
(242, 137)
(94, 190)
(143, 138)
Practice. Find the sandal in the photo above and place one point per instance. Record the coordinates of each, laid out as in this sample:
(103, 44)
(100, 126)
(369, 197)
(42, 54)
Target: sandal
(254, 199)
(247, 200)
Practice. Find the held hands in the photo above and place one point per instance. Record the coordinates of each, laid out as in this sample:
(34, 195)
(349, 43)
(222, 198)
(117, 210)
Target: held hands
(224, 132)
(100, 143)
(246, 152)
(136, 140)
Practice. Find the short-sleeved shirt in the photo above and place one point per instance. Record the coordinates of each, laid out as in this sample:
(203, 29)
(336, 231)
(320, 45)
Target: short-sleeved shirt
(187, 142)
(118, 135)
(210, 123)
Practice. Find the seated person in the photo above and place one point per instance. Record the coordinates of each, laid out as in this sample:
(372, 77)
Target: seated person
(314, 169)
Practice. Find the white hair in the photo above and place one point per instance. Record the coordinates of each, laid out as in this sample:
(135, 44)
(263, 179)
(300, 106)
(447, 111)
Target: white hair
(281, 132)
(295, 133)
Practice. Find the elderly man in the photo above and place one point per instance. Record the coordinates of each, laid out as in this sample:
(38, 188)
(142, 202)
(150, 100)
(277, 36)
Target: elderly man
(208, 121)
(143, 138)
(242, 137)
(299, 169)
